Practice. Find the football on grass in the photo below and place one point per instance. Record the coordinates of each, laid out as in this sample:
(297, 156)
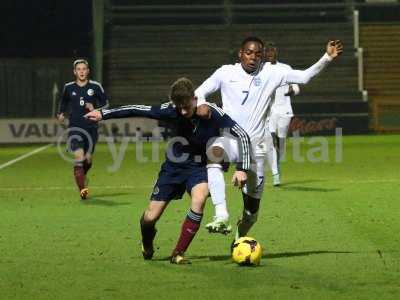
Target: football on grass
(246, 251)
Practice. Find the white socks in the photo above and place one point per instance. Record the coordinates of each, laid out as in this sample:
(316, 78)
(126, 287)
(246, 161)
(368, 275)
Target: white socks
(216, 185)
(272, 158)
(282, 149)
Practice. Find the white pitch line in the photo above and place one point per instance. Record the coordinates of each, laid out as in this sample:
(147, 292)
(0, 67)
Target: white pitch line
(9, 163)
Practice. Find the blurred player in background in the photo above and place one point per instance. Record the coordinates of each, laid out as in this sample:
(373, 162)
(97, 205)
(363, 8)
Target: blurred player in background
(185, 164)
(280, 115)
(246, 89)
(79, 97)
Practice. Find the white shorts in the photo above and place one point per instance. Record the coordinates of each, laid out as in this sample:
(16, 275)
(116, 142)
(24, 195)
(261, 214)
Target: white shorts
(279, 124)
(255, 176)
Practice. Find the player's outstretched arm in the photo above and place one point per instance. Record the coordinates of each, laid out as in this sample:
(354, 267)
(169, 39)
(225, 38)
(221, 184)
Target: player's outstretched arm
(209, 86)
(164, 112)
(333, 49)
(224, 122)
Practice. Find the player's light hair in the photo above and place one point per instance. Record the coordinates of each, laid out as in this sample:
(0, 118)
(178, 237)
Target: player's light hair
(80, 61)
(182, 91)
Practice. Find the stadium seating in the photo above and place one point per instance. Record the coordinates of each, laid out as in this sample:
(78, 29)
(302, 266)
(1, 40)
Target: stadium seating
(26, 85)
(142, 61)
(381, 42)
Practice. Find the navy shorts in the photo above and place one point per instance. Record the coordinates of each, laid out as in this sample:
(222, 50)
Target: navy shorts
(172, 181)
(82, 138)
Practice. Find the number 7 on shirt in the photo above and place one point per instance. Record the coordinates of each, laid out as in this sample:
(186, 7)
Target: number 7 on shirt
(245, 98)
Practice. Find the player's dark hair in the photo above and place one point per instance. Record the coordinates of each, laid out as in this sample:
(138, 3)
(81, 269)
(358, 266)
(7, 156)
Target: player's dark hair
(251, 39)
(80, 61)
(182, 91)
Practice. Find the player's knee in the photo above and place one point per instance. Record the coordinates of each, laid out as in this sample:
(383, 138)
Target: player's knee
(253, 209)
(79, 156)
(215, 154)
(255, 193)
(198, 205)
(250, 217)
(150, 216)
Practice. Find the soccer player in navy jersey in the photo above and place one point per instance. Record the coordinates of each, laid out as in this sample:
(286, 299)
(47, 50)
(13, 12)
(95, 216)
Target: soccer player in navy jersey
(80, 97)
(185, 164)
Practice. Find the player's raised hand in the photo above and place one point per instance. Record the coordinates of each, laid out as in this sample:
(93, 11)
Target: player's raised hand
(94, 116)
(239, 178)
(334, 48)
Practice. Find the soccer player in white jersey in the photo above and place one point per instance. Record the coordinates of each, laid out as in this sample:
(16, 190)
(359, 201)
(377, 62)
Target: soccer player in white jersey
(247, 88)
(280, 115)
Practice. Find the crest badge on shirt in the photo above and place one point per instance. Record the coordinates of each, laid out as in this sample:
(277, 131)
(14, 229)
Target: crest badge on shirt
(90, 92)
(73, 93)
(156, 190)
(257, 81)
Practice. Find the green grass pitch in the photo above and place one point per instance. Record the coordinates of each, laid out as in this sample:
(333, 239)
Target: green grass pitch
(330, 232)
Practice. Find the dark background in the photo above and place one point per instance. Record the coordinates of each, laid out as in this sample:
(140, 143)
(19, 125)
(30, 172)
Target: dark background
(45, 28)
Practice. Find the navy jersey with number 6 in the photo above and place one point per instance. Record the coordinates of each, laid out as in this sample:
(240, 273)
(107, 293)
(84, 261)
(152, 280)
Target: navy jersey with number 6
(76, 98)
(192, 134)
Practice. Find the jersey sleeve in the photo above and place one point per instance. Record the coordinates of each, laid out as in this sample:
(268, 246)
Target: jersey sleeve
(224, 122)
(209, 86)
(64, 100)
(101, 97)
(165, 112)
(304, 76)
(295, 87)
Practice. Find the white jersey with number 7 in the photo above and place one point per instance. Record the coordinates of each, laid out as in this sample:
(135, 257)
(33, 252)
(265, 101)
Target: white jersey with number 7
(246, 97)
